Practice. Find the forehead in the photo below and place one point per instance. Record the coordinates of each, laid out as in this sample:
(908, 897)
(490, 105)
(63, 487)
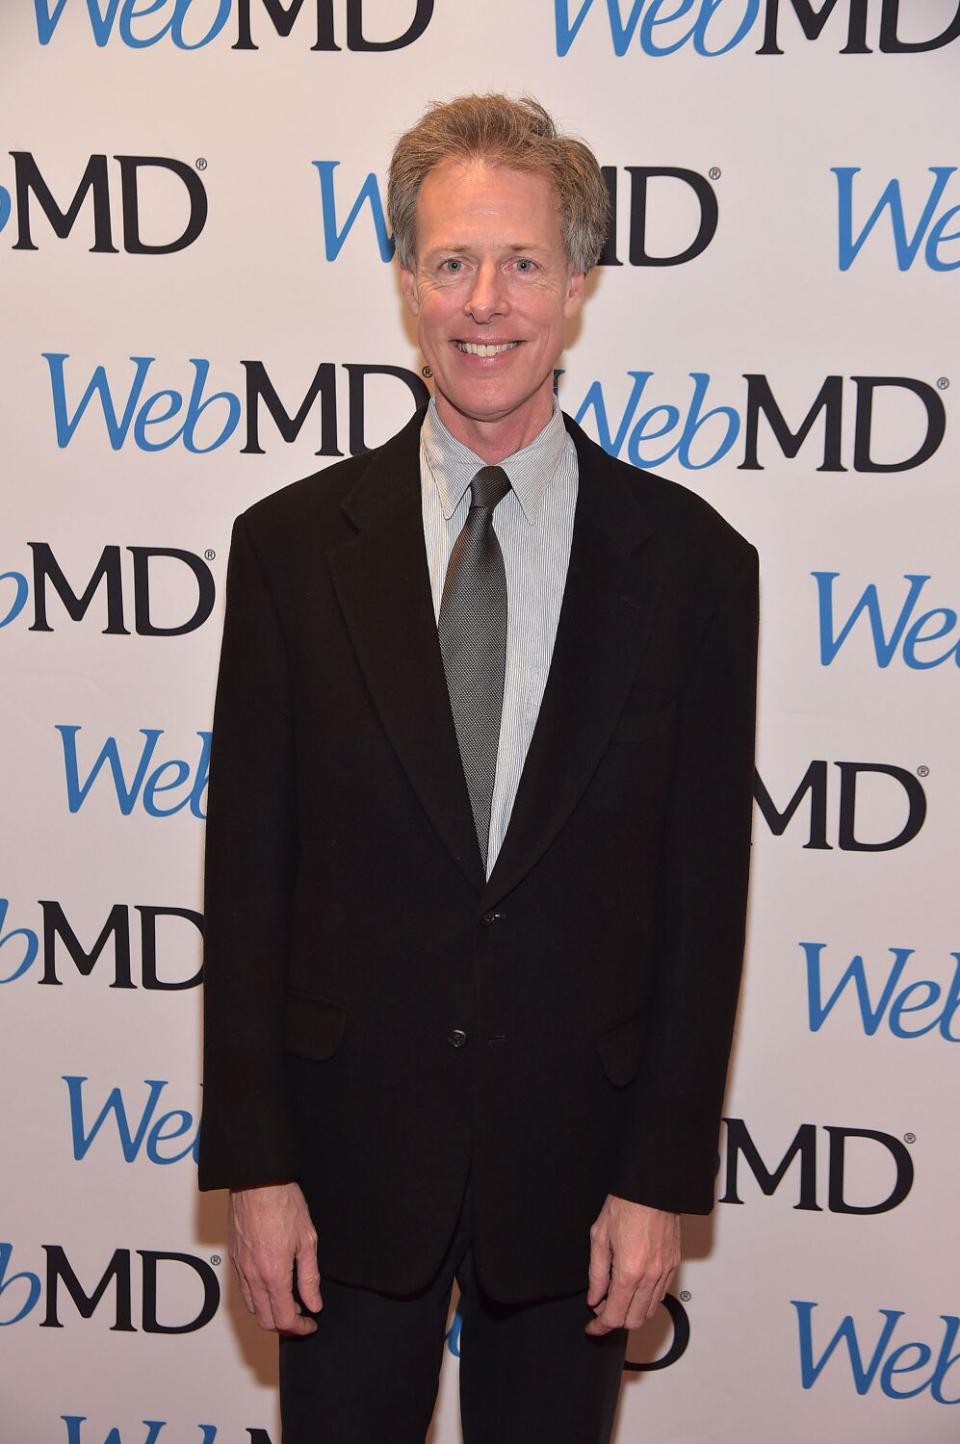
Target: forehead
(481, 199)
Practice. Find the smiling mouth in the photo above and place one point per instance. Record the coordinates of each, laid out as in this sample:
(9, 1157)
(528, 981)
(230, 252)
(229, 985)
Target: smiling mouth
(477, 348)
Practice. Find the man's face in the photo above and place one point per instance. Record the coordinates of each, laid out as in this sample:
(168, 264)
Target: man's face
(491, 288)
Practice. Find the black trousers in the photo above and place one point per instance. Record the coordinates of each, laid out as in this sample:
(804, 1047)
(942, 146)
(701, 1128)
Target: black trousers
(528, 1373)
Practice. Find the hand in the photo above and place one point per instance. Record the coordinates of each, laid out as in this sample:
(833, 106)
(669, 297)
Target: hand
(271, 1232)
(634, 1251)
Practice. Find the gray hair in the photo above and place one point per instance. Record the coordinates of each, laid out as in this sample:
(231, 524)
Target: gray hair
(515, 133)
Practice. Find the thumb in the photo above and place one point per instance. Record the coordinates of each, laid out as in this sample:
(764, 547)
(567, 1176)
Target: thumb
(599, 1270)
(308, 1277)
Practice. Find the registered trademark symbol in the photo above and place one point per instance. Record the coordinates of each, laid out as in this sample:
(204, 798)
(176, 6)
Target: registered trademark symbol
(215, 1259)
(686, 1295)
(209, 554)
(714, 172)
(943, 382)
(201, 163)
(909, 1138)
(923, 770)
(425, 371)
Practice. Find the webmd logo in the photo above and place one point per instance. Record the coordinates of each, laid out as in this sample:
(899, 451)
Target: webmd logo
(145, 780)
(142, 1127)
(894, 996)
(80, 1430)
(152, 951)
(928, 233)
(168, 1293)
(136, 180)
(122, 602)
(649, 429)
(715, 27)
(901, 628)
(192, 24)
(900, 1365)
(141, 409)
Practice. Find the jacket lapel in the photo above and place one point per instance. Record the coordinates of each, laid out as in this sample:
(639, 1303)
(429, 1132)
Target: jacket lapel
(606, 616)
(605, 621)
(383, 585)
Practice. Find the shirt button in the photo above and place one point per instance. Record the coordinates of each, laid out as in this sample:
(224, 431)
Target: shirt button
(456, 1037)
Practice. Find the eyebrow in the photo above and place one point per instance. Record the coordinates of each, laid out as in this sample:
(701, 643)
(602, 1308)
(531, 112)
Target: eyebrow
(455, 248)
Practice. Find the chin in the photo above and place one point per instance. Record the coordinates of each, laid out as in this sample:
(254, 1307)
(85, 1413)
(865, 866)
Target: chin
(485, 404)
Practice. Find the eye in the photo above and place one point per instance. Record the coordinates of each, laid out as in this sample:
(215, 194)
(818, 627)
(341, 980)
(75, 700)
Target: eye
(452, 265)
(524, 265)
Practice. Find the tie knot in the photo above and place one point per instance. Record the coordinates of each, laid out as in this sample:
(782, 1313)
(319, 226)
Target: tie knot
(489, 486)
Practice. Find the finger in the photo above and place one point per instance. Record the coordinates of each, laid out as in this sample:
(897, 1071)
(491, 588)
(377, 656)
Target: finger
(614, 1310)
(655, 1300)
(643, 1307)
(287, 1318)
(656, 1296)
(598, 1272)
(308, 1277)
(646, 1297)
(244, 1288)
(261, 1304)
(246, 1294)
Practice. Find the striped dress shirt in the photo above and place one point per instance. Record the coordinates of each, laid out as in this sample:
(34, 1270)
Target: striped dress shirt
(534, 526)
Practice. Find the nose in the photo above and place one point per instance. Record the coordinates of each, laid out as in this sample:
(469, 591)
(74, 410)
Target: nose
(488, 297)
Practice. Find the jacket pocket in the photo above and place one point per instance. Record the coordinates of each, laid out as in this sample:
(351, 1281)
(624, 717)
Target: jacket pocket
(621, 1049)
(312, 1026)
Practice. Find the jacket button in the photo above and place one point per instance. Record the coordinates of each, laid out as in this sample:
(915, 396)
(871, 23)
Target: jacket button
(491, 917)
(456, 1037)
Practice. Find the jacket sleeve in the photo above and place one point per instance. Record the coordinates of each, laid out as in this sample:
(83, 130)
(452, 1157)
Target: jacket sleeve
(670, 1155)
(249, 867)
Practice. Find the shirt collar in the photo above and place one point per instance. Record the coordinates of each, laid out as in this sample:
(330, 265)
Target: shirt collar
(453, 465)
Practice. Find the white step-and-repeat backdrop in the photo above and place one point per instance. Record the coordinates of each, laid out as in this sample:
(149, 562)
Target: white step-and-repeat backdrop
(198, 303)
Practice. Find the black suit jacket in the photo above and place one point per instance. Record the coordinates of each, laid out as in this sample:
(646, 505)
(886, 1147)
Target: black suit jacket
(379, 1018)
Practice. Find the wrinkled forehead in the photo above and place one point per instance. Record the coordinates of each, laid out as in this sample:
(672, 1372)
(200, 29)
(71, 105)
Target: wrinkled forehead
(472, 196)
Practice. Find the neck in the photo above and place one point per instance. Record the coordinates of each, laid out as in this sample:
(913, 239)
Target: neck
(493, 438)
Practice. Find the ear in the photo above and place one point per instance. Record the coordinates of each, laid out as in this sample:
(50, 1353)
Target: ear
(408, 285)
(574, 296)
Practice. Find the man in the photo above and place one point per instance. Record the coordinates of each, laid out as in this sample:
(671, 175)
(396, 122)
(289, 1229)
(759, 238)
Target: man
(477, 851)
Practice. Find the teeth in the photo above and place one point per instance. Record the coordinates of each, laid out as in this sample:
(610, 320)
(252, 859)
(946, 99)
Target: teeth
(471, 348)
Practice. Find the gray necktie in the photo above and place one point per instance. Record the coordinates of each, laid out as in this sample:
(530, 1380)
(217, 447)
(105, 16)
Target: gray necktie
(473, 642)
